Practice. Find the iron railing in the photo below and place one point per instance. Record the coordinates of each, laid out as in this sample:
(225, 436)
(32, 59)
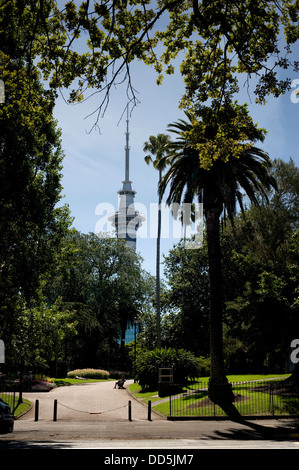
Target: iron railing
(255, 398)
(10, 393)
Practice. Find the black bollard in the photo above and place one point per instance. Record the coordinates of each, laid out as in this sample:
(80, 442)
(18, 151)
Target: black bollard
(130, 411)
(55, 411)
(36, 410)
(149, 411)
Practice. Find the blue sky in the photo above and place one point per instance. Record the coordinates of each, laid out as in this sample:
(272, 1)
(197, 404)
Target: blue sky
(94, 163)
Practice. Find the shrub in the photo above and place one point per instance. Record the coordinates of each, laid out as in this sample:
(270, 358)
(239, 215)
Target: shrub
(116, 374)
(185, 366)
(205, 366)
(88, 374)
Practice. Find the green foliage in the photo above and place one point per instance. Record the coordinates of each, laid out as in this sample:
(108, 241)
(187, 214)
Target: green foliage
(224, 134)
(185, 366)
(89, 374)
(117, 374)
(82, 45)
(260, 283)
(157, 147)
(204, 167)
(68, 382)
(38, 334)
(261, 254)
(32, 226)
(204, 365)
(95, 275)
(187, 299)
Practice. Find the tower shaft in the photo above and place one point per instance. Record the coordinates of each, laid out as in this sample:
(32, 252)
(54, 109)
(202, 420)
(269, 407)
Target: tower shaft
(127, 220)
(127, 152)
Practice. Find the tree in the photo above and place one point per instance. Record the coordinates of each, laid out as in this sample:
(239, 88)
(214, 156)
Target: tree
(147, 316)
(186, 324)
(32, 225)
(235, 167)
(39, 336)
(221, 41)
(101, 281)
(157, 146)
(263, 250)
(260, 288)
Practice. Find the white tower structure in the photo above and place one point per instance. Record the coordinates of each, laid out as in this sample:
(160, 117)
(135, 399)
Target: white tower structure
(127, 220)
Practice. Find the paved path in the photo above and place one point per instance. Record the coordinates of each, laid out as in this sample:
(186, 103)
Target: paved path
(98, 401)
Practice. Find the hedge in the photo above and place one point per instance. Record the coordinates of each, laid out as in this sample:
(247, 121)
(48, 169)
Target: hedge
(88, 374)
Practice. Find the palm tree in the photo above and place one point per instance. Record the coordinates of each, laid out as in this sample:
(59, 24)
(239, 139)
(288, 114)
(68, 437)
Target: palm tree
(157, 146)
(218, 188)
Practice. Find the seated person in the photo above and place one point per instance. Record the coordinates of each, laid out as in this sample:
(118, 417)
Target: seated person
(120, 382)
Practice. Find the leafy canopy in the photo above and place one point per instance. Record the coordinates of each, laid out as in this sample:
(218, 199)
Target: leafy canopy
(88, 48)
(78, 45)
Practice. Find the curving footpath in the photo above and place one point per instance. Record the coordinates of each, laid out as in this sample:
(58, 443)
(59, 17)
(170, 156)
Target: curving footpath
(98, 401)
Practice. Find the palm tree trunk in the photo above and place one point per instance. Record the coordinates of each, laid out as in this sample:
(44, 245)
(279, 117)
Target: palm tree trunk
(158, 306)
(219, 388)
(294, 378)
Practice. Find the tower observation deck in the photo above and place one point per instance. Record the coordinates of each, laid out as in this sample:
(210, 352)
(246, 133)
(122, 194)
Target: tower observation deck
(127, 220)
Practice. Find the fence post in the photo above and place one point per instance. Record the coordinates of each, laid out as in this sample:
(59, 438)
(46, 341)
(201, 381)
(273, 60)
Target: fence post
(149, 410)
(14, 401)
(55, 411)
(36, 410)
(130, 411)
(271, 406)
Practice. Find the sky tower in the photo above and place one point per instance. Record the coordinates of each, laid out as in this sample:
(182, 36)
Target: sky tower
(127, 220)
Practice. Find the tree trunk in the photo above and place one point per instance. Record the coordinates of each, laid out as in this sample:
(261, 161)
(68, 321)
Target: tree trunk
(158, 307)
(21, 380)
(220, 391)
(123, 329)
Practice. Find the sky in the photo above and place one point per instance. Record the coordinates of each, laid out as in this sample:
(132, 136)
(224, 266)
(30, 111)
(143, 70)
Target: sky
(94, 163)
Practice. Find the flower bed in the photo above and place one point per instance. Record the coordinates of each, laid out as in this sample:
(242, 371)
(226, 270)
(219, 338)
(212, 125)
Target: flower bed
(42, 386)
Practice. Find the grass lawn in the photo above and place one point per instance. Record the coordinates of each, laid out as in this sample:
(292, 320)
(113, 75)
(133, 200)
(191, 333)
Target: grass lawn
(22, 407)
(247, 377)
(191, 403)
(63, 382)
(18, 408)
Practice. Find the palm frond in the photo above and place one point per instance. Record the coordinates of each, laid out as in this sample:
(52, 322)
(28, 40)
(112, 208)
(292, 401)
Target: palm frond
(248, 174)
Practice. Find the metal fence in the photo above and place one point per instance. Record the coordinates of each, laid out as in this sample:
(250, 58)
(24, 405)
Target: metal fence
(251, 399)
(10, 393)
